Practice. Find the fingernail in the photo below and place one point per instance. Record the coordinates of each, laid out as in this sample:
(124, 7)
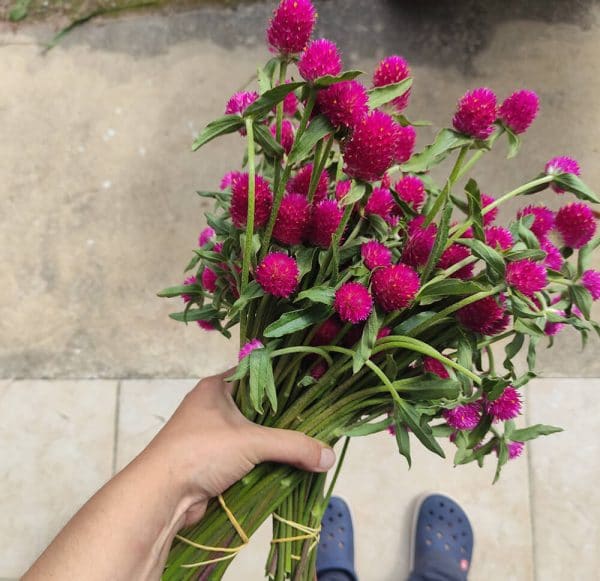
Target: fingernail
(327, 459)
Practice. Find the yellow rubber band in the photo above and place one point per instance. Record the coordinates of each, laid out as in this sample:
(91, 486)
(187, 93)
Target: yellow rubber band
(309, 533)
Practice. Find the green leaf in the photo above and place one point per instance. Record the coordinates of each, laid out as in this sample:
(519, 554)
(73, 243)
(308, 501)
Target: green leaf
(318, 128)
(381, 95)
(514, 143)
(450, 287)
(474, 199)
(265, 139)
(304, 257)
(205, 313)
(571, 183)
(502, 458)
(19, 10)
(410, 417)
(356, 194)
(256, 383)
(328, 80)
(426, 388)
(221, 126)
(493, 387)
(582, 298)
(263, 105)
(511, 350)
(380, 226)
(252, 291)
(492, 258)
(413, 322)
(369, 428)
(176, 291)
(480, 431)
(532, 432)
(440, 240)
(527, 236)
(529, 327)
(209, 255)
(445, 141)
(532, 352)
(265, 75)
(318, 294)
(293, 321)
(367, 342)
(528, 253)
(401, 434)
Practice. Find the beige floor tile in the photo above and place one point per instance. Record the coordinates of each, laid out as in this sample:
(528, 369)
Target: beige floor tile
(56, 448)
(564, 473)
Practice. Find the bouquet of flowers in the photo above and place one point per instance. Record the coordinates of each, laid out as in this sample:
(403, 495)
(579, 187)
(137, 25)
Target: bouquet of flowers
(368, 295)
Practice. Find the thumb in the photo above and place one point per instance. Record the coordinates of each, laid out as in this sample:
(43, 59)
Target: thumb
(292, 447)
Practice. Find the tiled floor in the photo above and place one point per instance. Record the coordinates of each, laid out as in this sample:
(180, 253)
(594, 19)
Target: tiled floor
(60, 440)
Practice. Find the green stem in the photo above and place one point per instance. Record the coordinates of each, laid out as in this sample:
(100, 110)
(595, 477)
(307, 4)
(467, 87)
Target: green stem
(279, 122)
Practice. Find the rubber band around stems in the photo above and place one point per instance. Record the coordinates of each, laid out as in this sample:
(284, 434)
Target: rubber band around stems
(308, 533)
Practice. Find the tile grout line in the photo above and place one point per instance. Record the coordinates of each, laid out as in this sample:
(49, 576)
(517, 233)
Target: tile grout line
(531, 489)
(116, 428)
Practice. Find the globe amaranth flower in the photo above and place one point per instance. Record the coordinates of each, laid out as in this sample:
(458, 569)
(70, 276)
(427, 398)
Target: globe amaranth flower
(420, 242)
(278, 274)
(395, 286)
(405, 144)
(515, 449)
(321, 57)
(290, 104)
(263, 200)
(353, 303)
(325, 219)
(463, 417)
(206, 236)
(561, 164)
(380, 202)
(384, 332)
(390, 70)
(386, 181)
(228, 179)
(591, 281)
(411, 189)
(487, 316)
(498, 238)
(372, 147)
(190, 280)
(543, 220)
(342, 189)
(326, 332)
(432, 365)
(209, 279)
(476, 113)
(319, 369)
(291, 25)
(519, 110)
(576, 224)
(249, 347)
(287, 134)
(506, 407)
(488, 217)
(206, 325)
(454, 254)
(375, 254)
(343, 103)
(554, 259)
(526, 276)
(300, 183)
(292, 219)
(554, 327)
(239, 102)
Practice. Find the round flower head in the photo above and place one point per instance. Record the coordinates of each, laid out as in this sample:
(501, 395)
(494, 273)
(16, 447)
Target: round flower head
(488, 217)
(380, 202)
(576, 224)
(239, 102)
(353, 303)
(228, 179)
(454, 254)
(432, 365)
(375, 254)
(206, 325)
(515, 449)
(278, 274)
(476, 113)
(342, 189)
(287, 134)
(290, 104)
(188, 281)
(291, 25)
(263, 200)
(561, 164)
(554, 259)
(209, 279)
(206, 236)
(321, 57)
(591, 281)
(326, 332)
(300, 183)
(498, 238)
(463, 417)
(486, 316)
(543, 220)
(373, 146)
(506, 407)
(326, 217)
(411, 189)
(384, 332)
(519, 110)
(292, 219)
(553, 328)
(420, 242)
(343, 103)
(393, 69)
(386, 181)
(249, 347)
(395, 286)
(319, 369)
(526, 276)
(405, 143)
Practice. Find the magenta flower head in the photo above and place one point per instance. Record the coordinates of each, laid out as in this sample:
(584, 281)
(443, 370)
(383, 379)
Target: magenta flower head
(390, 70)
(326, 332)
(287, 134)
(209, 279)
(353, 303)
(300, 183)
(526, 276)
(263, 200)
(561, 164)
(188, 281)
(321, 57)
(486, 316)
(488, 217)
(278, 274)
(206, 236)
(498, 238)
(228, 179)
(543, 220)
(239, 102)
(591, 281)
(384, 332)
(380, 202)
(206, 325)
(249, 347)
(454, 254)
(343, 103)
(420, 242)
(463, 417)
(395, 286)
(519, 110)
(554, 259)
(576, 224)
(326, 217)
(342, 189)
(432, 365)
(292, 219)
(373, 146)
(476, 113)
(319, 369)
(291, 25)
(553, 328)
(375, 254)
(515, 449)
(411, 189)
(506, 407)
(405, 143)
(290, 104)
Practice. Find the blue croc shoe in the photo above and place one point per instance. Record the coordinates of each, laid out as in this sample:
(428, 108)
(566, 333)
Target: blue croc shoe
(442, 540)
(335, 554)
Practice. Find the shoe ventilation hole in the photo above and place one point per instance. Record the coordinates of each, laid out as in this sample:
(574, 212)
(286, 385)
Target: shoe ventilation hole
(441, 517)
(330, 535)
(451, 510)
(341, 545)
(431, 512)
(442, 504)
(324, 545)
(339, 515)
(427, 528)
(460, 519)
(330, 519)
(342, 529)
(454, 537)
(463, 534)
(439, 535)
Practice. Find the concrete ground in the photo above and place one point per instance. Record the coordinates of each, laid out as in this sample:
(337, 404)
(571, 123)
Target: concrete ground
(98, 212)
